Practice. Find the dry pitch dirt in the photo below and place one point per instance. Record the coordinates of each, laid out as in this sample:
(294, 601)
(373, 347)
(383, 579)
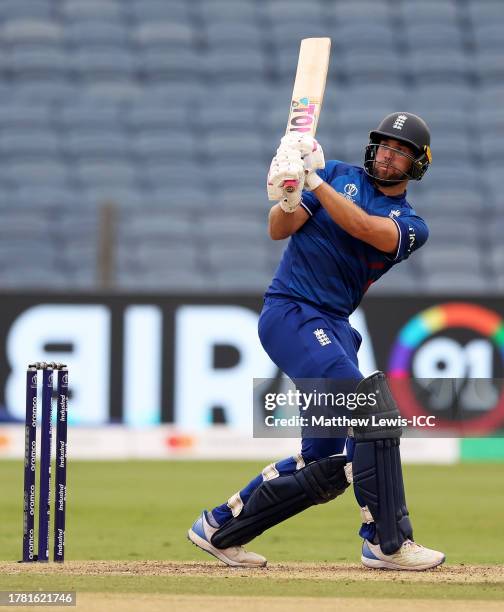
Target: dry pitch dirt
(295, 571)
(157, 602)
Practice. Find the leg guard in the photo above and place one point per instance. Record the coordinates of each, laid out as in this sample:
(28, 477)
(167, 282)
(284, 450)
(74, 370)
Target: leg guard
(281, 497)
(376, 468)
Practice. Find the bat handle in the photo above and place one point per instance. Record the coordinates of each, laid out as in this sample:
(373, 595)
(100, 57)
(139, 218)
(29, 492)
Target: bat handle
(290, 185)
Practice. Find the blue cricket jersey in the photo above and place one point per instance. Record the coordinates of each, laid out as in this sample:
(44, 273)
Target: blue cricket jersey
(324, 265)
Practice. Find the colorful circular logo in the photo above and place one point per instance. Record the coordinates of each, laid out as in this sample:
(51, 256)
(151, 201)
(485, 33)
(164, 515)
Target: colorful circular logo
(481, 320)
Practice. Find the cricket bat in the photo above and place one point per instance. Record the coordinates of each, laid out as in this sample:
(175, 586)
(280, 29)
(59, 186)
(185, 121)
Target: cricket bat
(308, 92)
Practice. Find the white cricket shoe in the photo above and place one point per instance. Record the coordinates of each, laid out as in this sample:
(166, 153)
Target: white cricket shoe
(235, 556)
(411, 556)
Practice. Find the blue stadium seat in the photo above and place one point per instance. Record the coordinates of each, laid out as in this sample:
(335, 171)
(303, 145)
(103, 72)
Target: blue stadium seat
(109, 91)
(489, 36)
(486, 96)
(441, 120)
(23, 113)
(233, 230)
(155, 113)
(32, 32)
(92, 33)
(286, 35)
(185, 92)
(430, 66)
(450, 257)
(81, 223)
(232, 115)
(167, 257)
(444, 195)
(21, 143)
(99, 10)
(447, 229)
(452, 145)
(97, 143)
(350, 13)
(45, 90)
(234, 35)
(168, 146)
(396, 283)
(87, 112)
(226, 11)
(358, 95)
(429, 11)
(441, 96)
(106, 172)
(241, 197)
(182, 197)
(244, 146)
(154, 223)
(165, 35)
(357, 66)
(237, 281)
(111, 64)
(240, 66)
(183, 64)
(37, 63)
(292, 12)
(368, 36)
(488, 12)
(457, 281)
(492, 146)
(42, 196)
(32, 274)
(489, 66)
(24, 225)
(488, 120)
(496, 257)
(22, 173)
(27, 9)
(431, 35)
(245, 174)
(156, 11)
(123, 196)
(454, 174)
(242, 258)
(160, 174)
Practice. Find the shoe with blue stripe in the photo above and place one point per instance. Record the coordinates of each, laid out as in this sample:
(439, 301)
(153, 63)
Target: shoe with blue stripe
(235, 556)
(411, 557)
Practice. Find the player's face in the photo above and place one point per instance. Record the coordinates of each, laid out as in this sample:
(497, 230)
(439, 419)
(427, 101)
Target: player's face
(393, 160)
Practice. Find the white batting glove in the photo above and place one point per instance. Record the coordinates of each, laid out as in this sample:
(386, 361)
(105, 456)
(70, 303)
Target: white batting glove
(311, 153)
(287, 165)
(307, 146)
(291, 201)
(312, 162)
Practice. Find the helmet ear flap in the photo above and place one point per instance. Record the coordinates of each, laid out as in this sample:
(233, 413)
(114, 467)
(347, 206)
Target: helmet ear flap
(421, 163)
(428, 153)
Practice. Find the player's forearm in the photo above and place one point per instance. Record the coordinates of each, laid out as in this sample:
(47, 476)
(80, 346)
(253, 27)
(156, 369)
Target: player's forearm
(345, 213)
(282, 225)
(380, 232)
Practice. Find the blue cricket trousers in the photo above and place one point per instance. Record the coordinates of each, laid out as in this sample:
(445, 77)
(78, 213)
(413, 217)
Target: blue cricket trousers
(287, 332)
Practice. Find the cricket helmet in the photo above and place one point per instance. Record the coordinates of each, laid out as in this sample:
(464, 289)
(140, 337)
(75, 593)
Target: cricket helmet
(409, 129)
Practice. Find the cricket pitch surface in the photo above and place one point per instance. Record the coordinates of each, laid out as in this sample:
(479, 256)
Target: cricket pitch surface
(187, 586)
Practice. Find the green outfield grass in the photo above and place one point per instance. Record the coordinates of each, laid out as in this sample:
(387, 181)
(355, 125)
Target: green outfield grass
(141, 510)
(135, 511)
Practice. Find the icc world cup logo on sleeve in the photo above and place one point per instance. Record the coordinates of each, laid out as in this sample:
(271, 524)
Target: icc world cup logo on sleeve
(448, 361)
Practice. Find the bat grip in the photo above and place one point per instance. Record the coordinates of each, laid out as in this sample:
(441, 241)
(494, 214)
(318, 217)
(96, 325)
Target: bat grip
(290, 185)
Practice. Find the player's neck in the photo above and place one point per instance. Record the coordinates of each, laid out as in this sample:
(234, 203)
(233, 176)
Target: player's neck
(392, 190)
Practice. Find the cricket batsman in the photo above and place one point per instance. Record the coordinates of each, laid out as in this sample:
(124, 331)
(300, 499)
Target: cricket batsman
(347, 226)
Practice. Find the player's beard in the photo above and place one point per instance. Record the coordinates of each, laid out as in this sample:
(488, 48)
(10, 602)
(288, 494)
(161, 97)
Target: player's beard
(386, 173)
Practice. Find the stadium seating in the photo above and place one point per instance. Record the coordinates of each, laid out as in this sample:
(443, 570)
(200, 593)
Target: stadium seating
(171, 109)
